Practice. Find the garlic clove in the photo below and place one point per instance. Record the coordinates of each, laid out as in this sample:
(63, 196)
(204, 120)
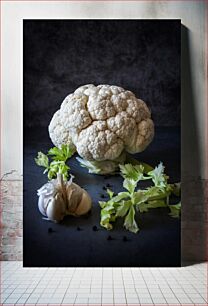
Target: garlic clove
(41, 205)
(74, 196)
(56, 209)
(85, 204)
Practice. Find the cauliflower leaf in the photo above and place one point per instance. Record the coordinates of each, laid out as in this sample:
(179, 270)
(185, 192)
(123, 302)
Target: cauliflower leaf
(102, 167)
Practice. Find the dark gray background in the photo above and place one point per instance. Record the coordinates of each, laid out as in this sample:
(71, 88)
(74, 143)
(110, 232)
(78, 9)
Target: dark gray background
(142, 56)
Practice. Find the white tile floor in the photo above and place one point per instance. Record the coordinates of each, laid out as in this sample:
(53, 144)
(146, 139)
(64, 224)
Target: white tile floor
(103, 286)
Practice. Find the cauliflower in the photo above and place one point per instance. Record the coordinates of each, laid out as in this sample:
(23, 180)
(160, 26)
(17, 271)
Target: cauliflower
(102, 122)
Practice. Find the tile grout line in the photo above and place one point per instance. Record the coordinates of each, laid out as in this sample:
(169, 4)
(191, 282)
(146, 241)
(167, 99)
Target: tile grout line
(146, 286)
(169, 288)
(69, 285)
(135, 287)
(122, 269)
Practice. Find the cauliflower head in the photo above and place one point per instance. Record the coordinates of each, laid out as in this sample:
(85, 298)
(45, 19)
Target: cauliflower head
(101, 122)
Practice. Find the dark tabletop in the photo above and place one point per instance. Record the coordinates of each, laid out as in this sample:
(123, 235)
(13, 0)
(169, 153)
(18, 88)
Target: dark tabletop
(47, 244)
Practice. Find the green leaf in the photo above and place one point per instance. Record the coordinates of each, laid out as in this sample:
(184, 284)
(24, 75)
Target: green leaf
(110, 193)
(130, 223)
(175, 210)
(53, 170)
(52, 173)
(158, 177)
(105, 220)
(91, 166)
(58, 165)
(109, 208)
(153, 197)
(64, 169)
(130, 159)
(156, 193)
(176, 189)
(103, 167)
(144, 207)
(61, 154)
(102, 204)
(143, 202)
(42, 160)
(54, 152)
(139, 197)
(107, 216)
(124, 204)
(123, 208)
(147, 168)
(120, 196)
(156, 204)
(130, 185)
(129, 171)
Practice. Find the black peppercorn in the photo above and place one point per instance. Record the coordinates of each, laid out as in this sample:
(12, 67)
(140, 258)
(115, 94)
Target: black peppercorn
(94, 228)
(109, 238)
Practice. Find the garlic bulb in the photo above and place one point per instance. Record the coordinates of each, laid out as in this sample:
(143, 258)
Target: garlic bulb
(58, 199)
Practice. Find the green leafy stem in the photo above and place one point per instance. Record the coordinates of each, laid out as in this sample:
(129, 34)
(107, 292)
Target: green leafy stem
(125, 204)
(59, 157)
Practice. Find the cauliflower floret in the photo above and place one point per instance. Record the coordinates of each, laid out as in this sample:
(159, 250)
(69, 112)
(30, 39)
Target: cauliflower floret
(96, 142)
(58, 133)
(143, 136)
(122, 126)
(101, 122)
(100, 108)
